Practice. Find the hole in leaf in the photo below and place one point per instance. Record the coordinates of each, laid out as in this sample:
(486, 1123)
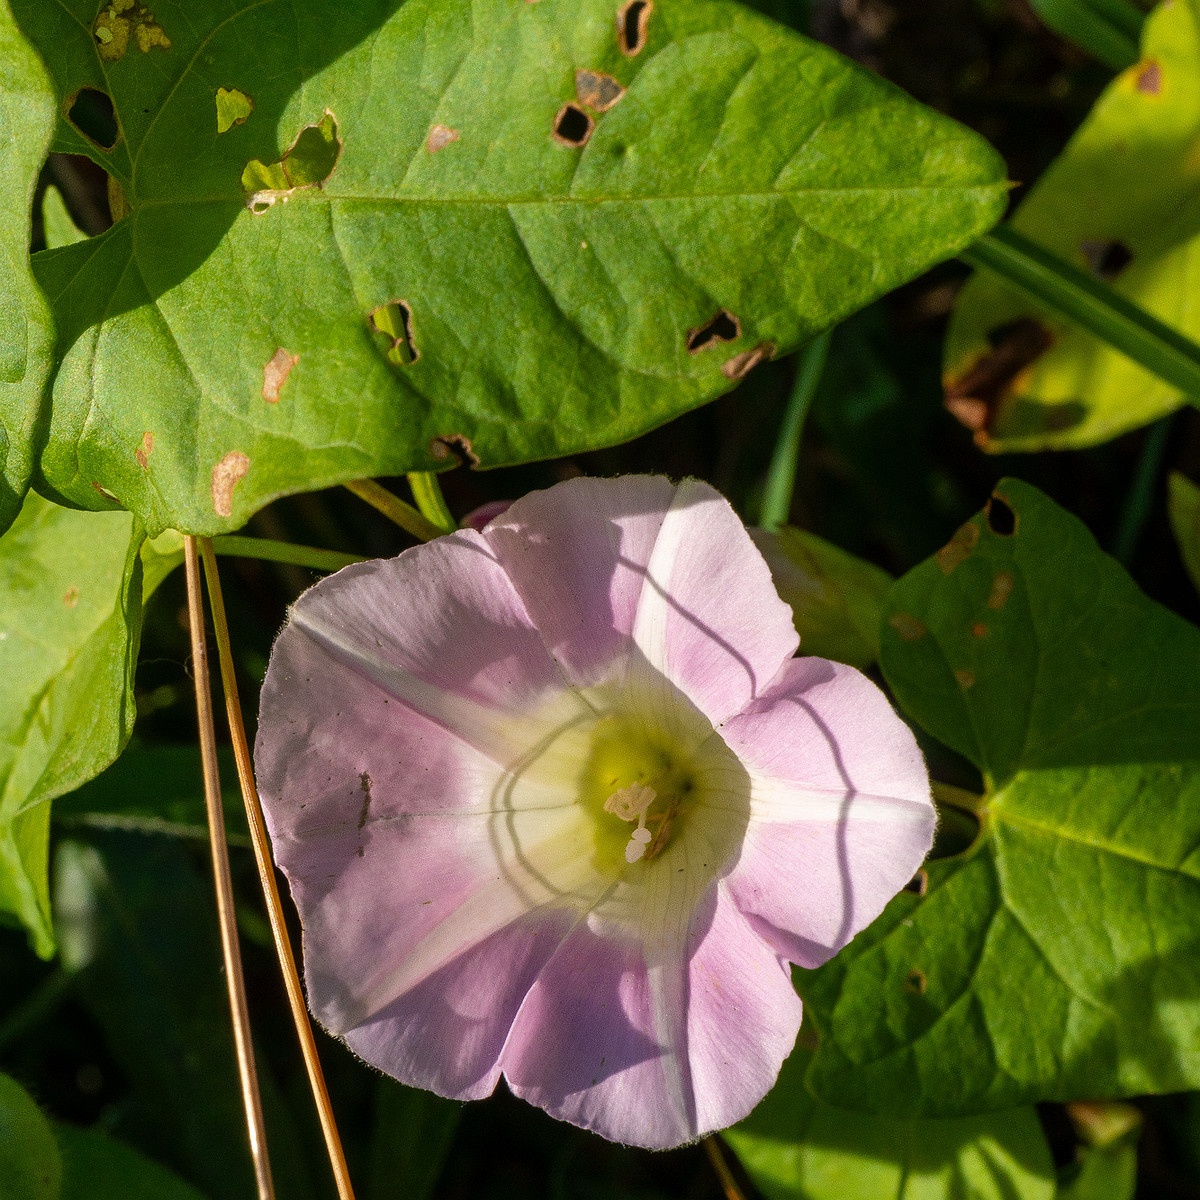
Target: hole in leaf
(91, 112)
(121, 20)
(394, 320)
(572, 126)
(919, 883)
(308, 162)
(233, 107)
(1001, 519)
(456, 444)
(976, 395)
(724, 327)
(632, 19)
(1107, 259)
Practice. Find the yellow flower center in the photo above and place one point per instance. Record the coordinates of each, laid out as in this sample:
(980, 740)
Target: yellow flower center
(633, 777)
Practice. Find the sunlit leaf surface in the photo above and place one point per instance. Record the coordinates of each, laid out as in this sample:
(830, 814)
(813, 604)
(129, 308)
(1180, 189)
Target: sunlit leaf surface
(1059, 956)
(499, 231)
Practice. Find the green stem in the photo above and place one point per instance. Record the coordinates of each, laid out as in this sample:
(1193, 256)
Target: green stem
(283, 552)
(781, 475)
(427, 492)
(1140, 500)
(395, 509)
(1074, 294)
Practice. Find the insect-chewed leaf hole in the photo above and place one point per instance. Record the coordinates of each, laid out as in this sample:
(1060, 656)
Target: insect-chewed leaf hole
(91, 112)
(1001, 519)
(724, 327)
(632, 19)
(572, 126)
(394, 320)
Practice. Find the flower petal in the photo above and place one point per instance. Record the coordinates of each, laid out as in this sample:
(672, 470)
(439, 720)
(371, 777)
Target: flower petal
(655, 1049)
(446, 1033)
(439, 628)
(610, 567)
(404, 845)
(840, 812)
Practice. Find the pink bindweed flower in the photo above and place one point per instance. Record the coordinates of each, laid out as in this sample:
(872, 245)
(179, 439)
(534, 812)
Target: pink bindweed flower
(556, 802)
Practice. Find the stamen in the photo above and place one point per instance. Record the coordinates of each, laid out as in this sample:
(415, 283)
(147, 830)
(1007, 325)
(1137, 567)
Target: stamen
(638, 841)
(630, 803)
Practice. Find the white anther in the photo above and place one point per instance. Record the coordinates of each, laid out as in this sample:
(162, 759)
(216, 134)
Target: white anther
(630, 803)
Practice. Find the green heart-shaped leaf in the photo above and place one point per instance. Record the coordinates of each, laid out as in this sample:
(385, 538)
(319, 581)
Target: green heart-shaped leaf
(362, 238)
(1059, 957)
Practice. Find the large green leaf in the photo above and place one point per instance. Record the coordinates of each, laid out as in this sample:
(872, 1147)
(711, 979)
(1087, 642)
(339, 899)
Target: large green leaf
(1122, 199)
(444, 267)
(1059, 956)
(797, 1148)
(26, 328)
(70, 618)
(30, 1168)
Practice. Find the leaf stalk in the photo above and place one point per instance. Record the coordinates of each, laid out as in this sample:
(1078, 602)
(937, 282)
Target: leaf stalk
(395, 509)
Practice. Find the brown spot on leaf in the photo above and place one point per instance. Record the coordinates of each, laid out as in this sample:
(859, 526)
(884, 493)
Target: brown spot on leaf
(597, 91)
(225, 476)
(1107, 259)
(440, 136)
(976, 396)
(71, 597)
(1002, 587)
(456, 444)
(103, 491)
(724, 327)
(740, 365)
(979, 630)
(632, 19)
(965, 679)
(142, 453)
(958, 548)
(915, 982)
(572, 126)
(1149, 78)
(275, 372)
(1001, 519)
(907, 626)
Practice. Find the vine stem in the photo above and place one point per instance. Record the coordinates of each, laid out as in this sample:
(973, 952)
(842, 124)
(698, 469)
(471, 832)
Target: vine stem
(781, 475)
(427, 492)
(234, 978)
(728, 1184)
(395, 509)
(266, 874)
